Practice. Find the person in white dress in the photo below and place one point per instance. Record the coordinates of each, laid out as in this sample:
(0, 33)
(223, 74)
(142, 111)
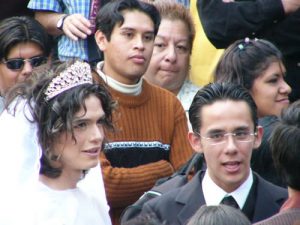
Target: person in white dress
(59, 135)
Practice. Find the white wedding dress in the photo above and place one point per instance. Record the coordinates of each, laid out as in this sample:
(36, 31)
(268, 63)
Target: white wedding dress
(26, 201)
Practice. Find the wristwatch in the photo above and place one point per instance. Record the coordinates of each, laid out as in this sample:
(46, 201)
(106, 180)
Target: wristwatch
(60, 22)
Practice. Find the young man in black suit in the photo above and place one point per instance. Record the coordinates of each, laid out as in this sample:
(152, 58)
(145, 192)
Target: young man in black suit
(225, 130)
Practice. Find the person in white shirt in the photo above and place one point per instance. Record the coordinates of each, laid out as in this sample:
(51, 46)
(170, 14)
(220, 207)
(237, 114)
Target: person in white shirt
(225, 130)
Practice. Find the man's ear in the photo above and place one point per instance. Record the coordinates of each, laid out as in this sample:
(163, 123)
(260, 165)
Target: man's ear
(258, 137)
(195, 141)
(101, 40)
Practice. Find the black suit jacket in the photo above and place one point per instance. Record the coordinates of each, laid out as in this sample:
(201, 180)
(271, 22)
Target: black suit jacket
(178, 206)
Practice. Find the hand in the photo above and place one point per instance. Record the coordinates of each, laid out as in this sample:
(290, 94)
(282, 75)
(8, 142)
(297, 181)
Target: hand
(290, 5)
(76, 26)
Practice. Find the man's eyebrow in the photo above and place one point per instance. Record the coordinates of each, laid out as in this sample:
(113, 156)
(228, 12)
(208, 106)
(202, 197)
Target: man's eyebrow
(213, 131)
(133, 29)
(242, 128)
(127, 29)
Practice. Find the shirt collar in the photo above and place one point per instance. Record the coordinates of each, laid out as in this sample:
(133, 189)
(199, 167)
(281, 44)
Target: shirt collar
(213, 194)
(134, 89)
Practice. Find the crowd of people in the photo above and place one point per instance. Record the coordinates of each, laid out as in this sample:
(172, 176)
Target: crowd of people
(97, 104)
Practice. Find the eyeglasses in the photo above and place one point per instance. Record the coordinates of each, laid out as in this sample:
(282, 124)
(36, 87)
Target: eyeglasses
(18, 63)
(221, 137)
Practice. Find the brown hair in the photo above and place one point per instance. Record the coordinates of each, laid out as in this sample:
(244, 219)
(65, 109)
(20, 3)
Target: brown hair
(169, 9)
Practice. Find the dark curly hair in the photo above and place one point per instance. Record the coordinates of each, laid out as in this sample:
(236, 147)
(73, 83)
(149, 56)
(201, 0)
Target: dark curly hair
(57, 114)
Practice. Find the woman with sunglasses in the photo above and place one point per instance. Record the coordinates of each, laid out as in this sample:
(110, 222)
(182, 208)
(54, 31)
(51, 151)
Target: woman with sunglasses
(24, 45)
(258, 66)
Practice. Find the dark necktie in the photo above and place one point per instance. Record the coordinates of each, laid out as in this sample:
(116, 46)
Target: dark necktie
(229, 200)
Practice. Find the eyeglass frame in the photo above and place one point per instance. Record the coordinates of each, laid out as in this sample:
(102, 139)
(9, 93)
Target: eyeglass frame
(225, 134)
(25, 60)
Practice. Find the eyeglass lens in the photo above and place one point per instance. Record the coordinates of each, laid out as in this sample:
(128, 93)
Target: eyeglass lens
(17, 64)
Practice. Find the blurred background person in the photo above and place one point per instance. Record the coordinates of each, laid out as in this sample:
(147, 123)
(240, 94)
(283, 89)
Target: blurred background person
(285, 145)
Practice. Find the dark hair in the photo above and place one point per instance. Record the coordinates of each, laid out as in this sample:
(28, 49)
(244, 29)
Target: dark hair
(213, 92)
(57, 114)
(21, 29)
(111, 14)
(285, 145)
(245, 60)
(218, 215)
(145, 219)
(172, 10)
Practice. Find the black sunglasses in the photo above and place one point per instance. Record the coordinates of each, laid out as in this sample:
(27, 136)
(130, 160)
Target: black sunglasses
(18, 63)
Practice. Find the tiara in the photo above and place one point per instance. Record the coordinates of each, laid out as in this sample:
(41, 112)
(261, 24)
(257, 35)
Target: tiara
(77, 74)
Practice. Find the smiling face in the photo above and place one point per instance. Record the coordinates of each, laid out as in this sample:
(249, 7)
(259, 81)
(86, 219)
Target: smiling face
(270, 91)
(129, 50)
(82, 154)
(228, 164)
(8, 77)
(169, 63)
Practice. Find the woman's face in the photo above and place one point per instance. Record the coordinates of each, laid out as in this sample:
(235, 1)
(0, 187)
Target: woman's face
(270, 91)
(169, 65)
(9, 77)
(82, 154)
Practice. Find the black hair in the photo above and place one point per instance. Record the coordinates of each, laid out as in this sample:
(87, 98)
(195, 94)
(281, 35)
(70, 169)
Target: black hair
(285, 145)
(57, 114)
(111, 14)
(245, 60)
(145, 219)
(213, 92)
(22, 29)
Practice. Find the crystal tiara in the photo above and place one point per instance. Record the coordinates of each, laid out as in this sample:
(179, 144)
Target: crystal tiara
(75, 75)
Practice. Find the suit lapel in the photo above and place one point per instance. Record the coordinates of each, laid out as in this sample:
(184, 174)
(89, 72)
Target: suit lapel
(268, 200)
(191, 198)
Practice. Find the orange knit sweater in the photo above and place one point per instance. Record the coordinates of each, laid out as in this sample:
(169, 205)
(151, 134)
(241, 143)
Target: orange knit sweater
(149, 143)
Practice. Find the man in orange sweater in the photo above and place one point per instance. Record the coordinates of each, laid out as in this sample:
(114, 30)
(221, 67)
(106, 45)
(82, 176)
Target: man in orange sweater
(150, 140)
